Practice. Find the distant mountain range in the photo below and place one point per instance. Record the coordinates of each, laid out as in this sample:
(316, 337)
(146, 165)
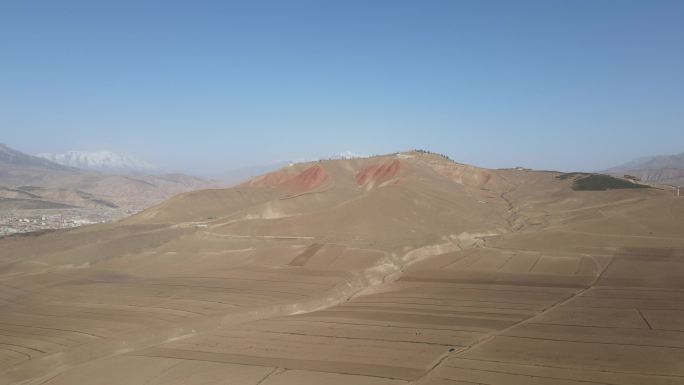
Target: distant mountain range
(663, 169)
(103, 160)
(10, 158)
(74, 183)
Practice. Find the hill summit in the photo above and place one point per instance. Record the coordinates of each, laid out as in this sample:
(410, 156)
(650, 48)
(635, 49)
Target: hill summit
(406, 268)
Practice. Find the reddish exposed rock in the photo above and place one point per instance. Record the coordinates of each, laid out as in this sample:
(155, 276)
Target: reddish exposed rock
(307, 180)
(376, 175)
(295, 183)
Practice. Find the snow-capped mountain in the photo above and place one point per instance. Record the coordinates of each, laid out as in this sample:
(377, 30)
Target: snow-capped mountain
(103, 160)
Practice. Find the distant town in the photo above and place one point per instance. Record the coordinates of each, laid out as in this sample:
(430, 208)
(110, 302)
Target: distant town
(26, 221)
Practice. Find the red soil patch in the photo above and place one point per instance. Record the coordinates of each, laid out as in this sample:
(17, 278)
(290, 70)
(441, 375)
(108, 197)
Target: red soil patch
(376, 175)
(274, 179)
(297, 183)
(307, 180)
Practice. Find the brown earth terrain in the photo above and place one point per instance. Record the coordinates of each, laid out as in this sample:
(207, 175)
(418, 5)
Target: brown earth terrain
(399, 269)
(37, 194)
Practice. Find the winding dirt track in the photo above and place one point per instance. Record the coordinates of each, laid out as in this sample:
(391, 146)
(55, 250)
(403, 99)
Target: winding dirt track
(435, 273)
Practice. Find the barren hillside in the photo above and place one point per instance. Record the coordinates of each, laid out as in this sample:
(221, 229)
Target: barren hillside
(400, 269)
(51, 195)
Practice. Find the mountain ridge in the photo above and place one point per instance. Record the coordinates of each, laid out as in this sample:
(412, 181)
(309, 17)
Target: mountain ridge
(10, 157)
(384, 270)
(101, 160)
(662, 169)
(30, 185)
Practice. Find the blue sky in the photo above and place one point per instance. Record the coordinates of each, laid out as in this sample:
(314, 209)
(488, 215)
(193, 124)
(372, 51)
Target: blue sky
(206, 86)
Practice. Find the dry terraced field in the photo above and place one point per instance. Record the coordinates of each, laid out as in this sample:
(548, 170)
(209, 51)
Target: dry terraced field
(403, 269)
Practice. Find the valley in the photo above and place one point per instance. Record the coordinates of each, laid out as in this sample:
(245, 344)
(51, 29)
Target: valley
(37, 194)
(407, 268)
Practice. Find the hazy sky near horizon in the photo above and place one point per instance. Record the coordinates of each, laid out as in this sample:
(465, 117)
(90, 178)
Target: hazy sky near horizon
(207, 86)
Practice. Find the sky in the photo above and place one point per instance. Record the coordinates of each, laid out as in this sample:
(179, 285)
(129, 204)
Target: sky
(206, 86)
